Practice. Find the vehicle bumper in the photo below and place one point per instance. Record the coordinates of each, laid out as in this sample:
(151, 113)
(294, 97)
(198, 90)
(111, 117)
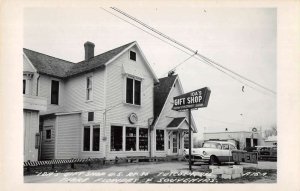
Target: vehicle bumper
(196, 158)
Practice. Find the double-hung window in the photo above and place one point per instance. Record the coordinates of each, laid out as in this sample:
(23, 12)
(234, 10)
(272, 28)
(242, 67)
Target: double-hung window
(89, 88)
(54, 92)
(133, 91)
(91, 138)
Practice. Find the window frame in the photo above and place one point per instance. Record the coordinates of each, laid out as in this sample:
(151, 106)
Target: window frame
(44, 133)
(122, 141)
(89, 90)
(46, 138)
(135, 55)
(164, 140)
(52, 93)
(134, 78)
(91, 137)
(92, 116)
(137, 138)
(224, 146)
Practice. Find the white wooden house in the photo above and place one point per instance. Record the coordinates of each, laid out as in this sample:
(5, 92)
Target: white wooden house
(99, 107)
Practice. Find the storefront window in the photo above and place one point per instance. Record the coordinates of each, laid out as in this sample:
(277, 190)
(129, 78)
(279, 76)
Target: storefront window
(130, 138)
(116, 138)
(160, 141)
(143, 139)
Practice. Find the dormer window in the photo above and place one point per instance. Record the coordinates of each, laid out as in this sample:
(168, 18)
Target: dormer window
(132, 55)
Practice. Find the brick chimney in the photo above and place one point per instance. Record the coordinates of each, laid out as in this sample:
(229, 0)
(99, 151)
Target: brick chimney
(89, 50)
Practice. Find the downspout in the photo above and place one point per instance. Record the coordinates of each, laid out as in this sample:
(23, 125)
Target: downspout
(37, 85)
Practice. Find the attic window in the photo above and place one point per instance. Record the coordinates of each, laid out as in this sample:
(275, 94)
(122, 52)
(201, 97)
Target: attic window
(132, 56)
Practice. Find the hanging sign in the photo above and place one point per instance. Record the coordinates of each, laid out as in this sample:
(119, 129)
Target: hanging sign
(195, 99)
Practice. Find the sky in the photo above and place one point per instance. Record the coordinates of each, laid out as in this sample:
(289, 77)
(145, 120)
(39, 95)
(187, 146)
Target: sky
(241, 39)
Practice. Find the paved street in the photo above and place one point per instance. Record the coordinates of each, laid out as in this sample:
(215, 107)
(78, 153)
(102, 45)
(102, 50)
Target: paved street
(135, 172)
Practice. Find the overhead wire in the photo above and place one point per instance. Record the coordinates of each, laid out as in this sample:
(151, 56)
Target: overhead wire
(211, 62)
(201, 60)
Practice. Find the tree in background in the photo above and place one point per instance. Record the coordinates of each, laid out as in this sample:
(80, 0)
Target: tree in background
(197, 143)
(271, 131)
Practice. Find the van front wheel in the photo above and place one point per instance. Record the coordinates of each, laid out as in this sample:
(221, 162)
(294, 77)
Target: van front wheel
(214, 160)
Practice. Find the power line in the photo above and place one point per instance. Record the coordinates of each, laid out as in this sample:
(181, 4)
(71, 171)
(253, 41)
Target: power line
(201, 60)
(180, 63)
(182, 45)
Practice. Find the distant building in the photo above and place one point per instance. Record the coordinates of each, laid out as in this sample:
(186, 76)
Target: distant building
(241, 139)
(270, 141)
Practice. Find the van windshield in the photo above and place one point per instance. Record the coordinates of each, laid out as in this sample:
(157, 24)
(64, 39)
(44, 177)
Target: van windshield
(212, 145)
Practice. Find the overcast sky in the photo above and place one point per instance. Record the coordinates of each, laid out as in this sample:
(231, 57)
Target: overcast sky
(243, 40)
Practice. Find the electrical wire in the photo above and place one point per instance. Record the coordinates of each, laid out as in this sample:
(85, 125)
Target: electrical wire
(201, 60)
(182, 45)
(180, 63)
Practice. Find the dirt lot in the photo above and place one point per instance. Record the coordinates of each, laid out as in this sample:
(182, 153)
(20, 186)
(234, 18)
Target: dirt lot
(156, 172)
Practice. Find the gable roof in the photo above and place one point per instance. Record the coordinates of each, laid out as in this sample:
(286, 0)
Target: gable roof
(97, 61)
(48, 65)
(176, 122)
(59, 68)
(161, 92)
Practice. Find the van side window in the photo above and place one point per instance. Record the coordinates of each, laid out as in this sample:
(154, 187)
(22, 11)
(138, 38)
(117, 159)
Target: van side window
(225, 147)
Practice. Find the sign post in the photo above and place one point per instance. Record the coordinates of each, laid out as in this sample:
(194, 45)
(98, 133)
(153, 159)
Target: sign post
(190, 141)
(195, 99)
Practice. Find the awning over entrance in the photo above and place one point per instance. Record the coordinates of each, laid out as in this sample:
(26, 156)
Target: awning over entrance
(179, 123)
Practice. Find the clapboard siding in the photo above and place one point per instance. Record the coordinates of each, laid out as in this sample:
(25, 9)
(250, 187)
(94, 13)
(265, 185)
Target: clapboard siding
(75, 92)
(69, 135)
(45, 91)
(31, 127)
(115, 97)
(48, 146)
